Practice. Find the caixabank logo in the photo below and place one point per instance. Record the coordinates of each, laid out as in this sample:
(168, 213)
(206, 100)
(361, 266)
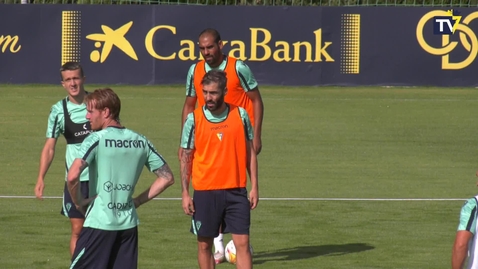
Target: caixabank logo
(261, 47)
(448, 24)
(104, 42)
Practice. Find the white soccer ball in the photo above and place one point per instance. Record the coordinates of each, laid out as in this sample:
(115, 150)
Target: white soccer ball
(230, 252)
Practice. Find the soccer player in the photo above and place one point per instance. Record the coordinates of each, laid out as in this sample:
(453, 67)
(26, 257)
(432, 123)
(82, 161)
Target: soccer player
(466, 243)
(67, 117)
(242, 91)
(217, 154)
(116, 157)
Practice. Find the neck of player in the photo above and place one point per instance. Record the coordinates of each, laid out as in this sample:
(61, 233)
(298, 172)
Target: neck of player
(78, 99)
(219, 110)
(111, 123)
(219, 62)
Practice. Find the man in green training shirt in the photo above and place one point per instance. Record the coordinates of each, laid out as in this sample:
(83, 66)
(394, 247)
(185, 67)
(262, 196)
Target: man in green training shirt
(115, 157)
(67, 118)
(465, 250)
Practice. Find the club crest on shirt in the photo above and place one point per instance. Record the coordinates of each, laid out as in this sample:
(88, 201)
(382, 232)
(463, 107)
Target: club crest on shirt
(219, 136)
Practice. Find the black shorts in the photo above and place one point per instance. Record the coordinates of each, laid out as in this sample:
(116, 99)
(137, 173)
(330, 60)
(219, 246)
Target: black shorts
(229, 208)
(100, 249)
(69, 209)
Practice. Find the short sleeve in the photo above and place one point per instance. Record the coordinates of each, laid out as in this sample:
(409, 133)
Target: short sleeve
(55, 123)
(154, 160)
(89, 148)
(247, 123)
(190, 90)
(187, 136)
(468, 216)
(246, 77)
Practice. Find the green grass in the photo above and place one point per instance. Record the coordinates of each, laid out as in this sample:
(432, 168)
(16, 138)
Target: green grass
(327, 142)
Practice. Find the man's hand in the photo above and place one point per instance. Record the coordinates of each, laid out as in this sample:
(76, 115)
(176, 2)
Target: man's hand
(257, 144)
(40, 186)
(83, 204)
(253, 198)
(136, 202)
(188, 205)
(82, 209)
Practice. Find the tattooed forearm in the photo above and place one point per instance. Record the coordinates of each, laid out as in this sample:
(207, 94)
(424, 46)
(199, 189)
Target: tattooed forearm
(186, 168)
(187, 155)
(164, 172)
(165, 178)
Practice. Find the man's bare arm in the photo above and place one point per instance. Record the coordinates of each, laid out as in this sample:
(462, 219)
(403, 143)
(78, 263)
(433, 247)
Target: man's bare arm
(252, 169)
(258, 107)
(73, 180)
(47, 155)
(189, 105)
(186, 169)
(186, 173)
(460, 249)
(252, 166)
(164, 179)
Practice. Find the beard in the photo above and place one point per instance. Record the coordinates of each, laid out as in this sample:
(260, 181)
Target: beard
(209, 59)
(213, 106)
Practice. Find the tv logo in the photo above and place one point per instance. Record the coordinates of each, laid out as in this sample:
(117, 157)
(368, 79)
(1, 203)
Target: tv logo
(446, 25)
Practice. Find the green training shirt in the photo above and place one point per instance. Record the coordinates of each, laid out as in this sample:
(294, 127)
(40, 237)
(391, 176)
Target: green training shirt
(468, 216)
(116, 157)
(56, 127)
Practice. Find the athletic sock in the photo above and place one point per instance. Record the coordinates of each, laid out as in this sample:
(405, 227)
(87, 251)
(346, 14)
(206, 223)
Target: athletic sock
(218, 243)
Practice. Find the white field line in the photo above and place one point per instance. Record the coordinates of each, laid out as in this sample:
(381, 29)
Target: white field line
(280, 199)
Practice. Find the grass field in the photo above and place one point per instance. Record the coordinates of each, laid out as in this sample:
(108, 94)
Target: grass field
(383, 147)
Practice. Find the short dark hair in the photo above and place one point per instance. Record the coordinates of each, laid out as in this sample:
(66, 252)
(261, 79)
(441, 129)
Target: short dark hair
(70, 66)
(215, 76)
(105, 98)
(215, 34)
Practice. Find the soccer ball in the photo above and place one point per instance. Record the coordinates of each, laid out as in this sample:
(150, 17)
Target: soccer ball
(230, 252)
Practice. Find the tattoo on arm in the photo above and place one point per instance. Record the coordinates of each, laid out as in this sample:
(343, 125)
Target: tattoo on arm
(164, 172)
(186, 168)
